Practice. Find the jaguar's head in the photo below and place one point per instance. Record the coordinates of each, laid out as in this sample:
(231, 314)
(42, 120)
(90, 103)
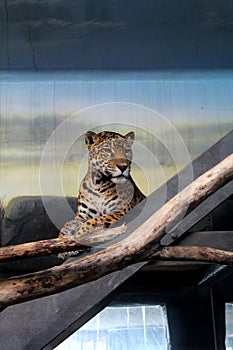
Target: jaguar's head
(110, 154)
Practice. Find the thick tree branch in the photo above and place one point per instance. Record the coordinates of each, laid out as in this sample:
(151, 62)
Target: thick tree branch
(203, 254)
(58, 245)
(141, 244)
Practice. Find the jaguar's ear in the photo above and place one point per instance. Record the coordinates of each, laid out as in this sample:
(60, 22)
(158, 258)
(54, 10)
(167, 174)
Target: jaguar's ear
(130, 137)
(91, 138)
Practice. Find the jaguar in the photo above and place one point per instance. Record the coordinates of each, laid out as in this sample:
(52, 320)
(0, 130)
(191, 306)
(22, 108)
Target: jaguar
(108, 191)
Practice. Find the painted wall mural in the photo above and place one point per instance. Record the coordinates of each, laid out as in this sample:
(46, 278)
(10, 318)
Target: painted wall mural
(43, 118)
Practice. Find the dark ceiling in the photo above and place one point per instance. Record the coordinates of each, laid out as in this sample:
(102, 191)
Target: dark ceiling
(116, 34)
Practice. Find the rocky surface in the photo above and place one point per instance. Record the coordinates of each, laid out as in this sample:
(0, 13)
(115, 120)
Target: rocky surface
(26, 220)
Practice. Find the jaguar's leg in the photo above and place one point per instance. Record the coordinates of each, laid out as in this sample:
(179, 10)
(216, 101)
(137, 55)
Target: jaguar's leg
(76, 228)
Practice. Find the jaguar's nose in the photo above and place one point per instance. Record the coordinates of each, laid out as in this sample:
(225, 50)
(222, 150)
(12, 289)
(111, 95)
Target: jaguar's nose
(122, 167)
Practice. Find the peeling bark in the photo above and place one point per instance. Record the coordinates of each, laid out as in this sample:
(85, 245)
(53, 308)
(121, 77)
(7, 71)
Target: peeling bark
(203, 254)
(58, 245)
(141, 245)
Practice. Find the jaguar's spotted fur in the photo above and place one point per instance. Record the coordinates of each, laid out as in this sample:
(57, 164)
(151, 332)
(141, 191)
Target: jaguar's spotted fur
(108, 191)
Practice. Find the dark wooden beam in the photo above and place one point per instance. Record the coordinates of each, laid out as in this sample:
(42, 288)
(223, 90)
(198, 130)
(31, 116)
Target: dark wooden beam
(198, 214)
(213, 239)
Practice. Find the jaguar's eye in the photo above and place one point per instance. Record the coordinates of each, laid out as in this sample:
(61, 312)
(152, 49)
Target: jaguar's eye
(107, 150)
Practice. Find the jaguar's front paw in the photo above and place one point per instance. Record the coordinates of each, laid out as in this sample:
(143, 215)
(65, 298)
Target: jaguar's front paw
(67, 255)
(70, 228)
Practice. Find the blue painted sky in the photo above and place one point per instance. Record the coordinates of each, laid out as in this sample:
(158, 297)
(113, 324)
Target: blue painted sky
(180, 97)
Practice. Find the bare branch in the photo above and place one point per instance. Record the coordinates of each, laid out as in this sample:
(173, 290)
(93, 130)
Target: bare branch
(140, 245)
(58, 245)
(203, 254)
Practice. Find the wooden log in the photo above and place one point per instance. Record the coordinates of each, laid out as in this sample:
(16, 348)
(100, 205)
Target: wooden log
(58, 245)
(203, 254)
(140, 245)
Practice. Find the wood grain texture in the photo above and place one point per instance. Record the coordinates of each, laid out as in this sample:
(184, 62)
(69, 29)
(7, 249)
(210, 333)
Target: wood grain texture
(204, 254)
(141, 245)
(58, 245)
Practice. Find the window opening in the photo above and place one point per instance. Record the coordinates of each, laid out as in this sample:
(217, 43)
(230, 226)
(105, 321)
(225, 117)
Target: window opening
(122, 328)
